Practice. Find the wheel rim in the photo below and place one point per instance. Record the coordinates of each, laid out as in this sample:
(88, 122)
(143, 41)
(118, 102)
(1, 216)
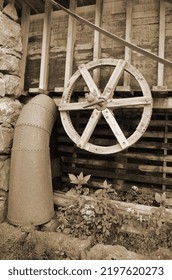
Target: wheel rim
(102, 103)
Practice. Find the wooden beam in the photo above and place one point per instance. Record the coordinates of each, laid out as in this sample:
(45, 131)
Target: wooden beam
(128, 36)
(44, 70)
(161, 51)
(97, 46)
(126, 83)
(70, 44)
(165, 151)
(159, 103)
(25, 24)
(61, 199)
(162, 103)
(37, 91)
(161, 43)
(115, 37)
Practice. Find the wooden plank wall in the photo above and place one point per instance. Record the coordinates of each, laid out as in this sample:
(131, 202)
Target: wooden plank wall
(149, 161)
(145, 33)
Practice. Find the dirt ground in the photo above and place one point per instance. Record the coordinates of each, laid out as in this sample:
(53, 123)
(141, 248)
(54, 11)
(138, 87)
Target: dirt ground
(32, 244)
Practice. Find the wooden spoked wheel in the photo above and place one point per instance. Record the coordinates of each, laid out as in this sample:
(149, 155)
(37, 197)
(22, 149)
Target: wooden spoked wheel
(103, 103)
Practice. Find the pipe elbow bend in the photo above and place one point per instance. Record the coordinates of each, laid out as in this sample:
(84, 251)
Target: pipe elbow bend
(30, 191)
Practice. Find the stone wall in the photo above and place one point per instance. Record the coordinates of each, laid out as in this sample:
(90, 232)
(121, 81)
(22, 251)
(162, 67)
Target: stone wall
(10, 106)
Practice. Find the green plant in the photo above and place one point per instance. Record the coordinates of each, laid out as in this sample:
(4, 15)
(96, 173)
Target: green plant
(90, 219)
(161, 199)
(105, 191)
(136, 195)
(93, 217)
(159, 215)
(155, 220)
(79, 181)
(106, 215)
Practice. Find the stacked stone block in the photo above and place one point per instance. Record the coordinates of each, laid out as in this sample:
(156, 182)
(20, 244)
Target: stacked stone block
(10, 91)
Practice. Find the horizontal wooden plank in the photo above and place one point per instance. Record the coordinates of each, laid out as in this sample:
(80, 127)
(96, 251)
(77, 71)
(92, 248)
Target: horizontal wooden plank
(166, 158)
(128, 177)
(61, 199)
(95, 181)
(38, 91)
(109, 165)
(141, 144)
(130, 155)
(158, 103)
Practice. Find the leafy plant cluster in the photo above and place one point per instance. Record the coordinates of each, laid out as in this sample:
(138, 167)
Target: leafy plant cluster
(159, 215)
(135, 195)
(153, 223)
(89, 217)
(144, 244)
(98, 219)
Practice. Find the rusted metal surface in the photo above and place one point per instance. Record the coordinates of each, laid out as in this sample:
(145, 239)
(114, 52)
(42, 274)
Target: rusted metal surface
(30, 193)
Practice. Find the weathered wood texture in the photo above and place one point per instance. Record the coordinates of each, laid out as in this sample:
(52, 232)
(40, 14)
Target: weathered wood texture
(148, 162)
(141, 165)
(144, 33)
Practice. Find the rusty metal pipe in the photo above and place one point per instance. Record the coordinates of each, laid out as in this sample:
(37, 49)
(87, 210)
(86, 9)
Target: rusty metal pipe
(30, 193)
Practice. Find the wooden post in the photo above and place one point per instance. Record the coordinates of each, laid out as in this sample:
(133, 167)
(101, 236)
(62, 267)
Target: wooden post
(160, 79)
(165, 149)
(70, 51)
(44, 72)
(161, 42)
(70, 43)
(97, 47)
(44, 68)
(128, 38)
(128, 51)
(25, 23)
(126, 84)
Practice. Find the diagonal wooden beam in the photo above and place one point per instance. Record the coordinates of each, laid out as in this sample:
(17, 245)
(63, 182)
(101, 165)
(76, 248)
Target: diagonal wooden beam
(115, 37)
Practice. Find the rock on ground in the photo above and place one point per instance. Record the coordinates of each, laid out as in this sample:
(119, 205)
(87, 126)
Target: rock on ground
(109, 252)
(71, 248)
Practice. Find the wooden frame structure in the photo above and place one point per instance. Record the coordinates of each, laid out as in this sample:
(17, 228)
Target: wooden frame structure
(153, 168)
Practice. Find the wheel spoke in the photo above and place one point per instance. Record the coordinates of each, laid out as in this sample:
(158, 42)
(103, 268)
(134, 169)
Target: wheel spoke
(129, 102)
(113, 81)
(72, 106)
(89, 80)
(93, 120)
(115, 128)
